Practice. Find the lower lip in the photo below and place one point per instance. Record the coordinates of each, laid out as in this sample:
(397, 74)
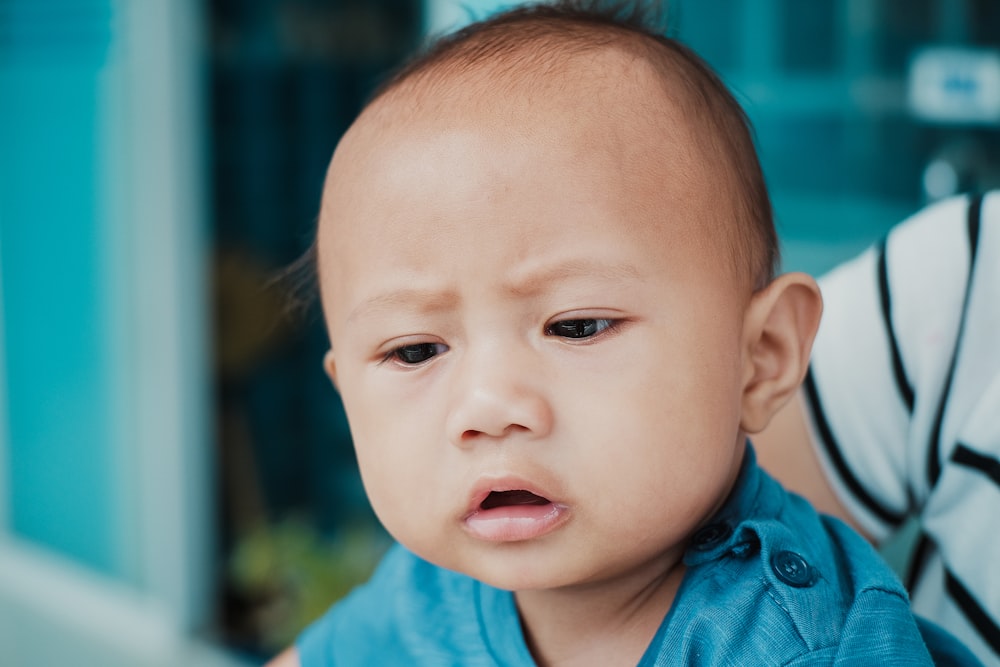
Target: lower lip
(516, 523)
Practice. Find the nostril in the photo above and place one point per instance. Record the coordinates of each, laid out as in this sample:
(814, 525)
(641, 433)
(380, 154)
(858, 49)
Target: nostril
(472, 434)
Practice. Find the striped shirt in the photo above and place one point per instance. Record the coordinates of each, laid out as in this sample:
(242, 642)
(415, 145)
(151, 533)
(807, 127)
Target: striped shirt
(904, 395)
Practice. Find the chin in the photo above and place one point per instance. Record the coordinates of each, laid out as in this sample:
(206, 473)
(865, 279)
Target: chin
(521, 572)
(514, 582)
(512, 566)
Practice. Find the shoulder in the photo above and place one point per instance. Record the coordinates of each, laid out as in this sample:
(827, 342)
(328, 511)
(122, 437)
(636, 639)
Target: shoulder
(853, 608)
(937, 240)
(356, 623)
(921, 269)
(773, 582)
(409, 612)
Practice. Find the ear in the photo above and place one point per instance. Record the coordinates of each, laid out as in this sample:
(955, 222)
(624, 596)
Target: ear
(330, 366)
(778, 331)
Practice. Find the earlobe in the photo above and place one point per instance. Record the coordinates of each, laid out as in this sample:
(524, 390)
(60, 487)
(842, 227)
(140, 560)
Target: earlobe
(330, 366)
(779, 328)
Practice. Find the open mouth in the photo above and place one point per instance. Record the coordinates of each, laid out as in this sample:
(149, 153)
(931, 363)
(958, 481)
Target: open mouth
(512, 498)
(514, 515)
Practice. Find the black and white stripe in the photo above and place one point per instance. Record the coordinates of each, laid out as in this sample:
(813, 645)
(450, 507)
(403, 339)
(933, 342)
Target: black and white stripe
(973, 217)
(904, 395)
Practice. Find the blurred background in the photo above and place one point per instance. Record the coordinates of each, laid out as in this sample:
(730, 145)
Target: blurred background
(177, 484)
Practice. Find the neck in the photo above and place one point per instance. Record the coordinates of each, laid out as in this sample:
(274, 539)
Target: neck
(609, 623)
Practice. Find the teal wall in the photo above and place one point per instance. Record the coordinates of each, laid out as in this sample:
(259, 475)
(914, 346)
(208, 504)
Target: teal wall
(825, 84)
(60, 482)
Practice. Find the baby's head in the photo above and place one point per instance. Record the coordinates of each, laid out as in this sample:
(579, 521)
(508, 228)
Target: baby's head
(545, 255)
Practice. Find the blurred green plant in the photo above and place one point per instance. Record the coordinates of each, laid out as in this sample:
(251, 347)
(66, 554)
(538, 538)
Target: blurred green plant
(292, 573)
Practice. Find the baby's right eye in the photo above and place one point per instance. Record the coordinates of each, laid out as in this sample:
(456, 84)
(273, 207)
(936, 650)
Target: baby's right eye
(417, 353)
(580, 328)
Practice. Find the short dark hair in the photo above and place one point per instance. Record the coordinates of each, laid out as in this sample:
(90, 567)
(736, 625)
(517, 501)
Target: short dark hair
(544, 31)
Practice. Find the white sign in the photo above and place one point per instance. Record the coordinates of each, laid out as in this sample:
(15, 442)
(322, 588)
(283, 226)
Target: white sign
(955, 85)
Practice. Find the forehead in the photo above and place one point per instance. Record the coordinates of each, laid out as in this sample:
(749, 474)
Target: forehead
(601, 129)
(602, 102)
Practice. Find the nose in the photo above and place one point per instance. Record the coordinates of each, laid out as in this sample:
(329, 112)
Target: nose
(496, 396)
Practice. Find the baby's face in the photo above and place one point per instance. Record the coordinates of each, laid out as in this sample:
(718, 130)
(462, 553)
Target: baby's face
(534, 334)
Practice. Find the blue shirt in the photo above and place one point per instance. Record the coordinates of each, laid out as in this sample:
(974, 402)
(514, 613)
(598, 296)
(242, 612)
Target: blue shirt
(768, 582)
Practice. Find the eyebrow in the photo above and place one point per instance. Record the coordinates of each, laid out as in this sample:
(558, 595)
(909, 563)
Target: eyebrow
(428, 301)
(531, 283)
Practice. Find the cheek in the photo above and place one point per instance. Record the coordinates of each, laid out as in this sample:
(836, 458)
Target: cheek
(670, 422)
(397, 441)
(378, 445)
(389, 486)
(692, 380)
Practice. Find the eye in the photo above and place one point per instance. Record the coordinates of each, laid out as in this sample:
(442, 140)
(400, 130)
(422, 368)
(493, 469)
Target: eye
(582, 328)
(414, 354)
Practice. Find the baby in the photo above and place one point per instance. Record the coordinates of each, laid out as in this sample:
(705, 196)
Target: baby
(546, 257)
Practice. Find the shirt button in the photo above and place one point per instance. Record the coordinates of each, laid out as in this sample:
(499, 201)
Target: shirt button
(793, 569)
(710, 536)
